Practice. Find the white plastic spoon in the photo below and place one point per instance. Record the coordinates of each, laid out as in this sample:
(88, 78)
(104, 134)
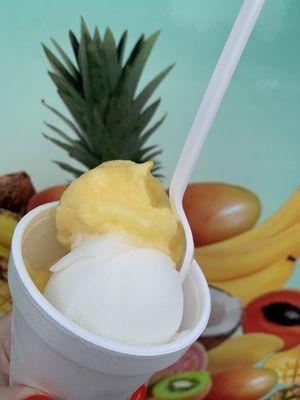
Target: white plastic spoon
(205, 116)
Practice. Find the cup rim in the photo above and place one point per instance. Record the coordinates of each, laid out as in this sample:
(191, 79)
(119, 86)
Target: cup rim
(81, 333)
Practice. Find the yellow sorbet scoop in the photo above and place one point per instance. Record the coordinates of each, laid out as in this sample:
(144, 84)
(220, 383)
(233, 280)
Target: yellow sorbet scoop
(120, 196)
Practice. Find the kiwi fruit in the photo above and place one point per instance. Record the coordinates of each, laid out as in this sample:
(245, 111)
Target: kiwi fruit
(191, 385)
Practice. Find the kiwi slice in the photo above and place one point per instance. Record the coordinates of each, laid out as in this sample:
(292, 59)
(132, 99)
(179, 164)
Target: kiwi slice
(187, 385)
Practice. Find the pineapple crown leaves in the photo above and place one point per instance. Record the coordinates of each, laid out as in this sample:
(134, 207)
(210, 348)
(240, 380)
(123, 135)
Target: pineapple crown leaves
(108, 120)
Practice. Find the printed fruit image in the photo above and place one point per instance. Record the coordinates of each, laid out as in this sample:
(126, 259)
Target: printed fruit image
(190, 385)
(289, 393)
(266, 280)
(217, 211)
(232, 263)
(285, 217)
(5, 298)
(258, 261)
(277, 313)
(225, 318)
(46, 196)
(287, 365)
(4, 252)
(15, 191)
(109, 119)
(242, 350)
(140, 394)
(195, 359)
(8, 222)
(241, 383)
(4, 256)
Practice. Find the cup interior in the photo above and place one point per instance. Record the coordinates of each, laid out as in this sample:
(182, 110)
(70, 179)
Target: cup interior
(40, 249)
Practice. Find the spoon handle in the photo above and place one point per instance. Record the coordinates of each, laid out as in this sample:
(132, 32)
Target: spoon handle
(205, 116)
(213, 96)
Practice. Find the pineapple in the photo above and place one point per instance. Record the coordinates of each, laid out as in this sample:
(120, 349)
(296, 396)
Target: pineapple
(288, 393)
(109, 120)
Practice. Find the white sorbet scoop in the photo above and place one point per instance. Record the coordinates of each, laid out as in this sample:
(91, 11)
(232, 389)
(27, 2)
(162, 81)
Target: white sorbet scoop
(125, 293)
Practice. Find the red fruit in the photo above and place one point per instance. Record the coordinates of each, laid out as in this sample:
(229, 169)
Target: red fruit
(277, 313)
(218, 211)
(140, 394)
(242, 383)
(195, 359)
(46, 196)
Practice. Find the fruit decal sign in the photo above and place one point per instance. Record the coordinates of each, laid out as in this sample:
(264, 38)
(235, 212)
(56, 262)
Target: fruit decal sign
(251, 347)
(108, 119)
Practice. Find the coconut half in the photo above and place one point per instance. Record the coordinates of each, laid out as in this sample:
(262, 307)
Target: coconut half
(226, 316)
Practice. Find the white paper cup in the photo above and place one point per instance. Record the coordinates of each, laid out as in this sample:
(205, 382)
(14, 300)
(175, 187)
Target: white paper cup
(59, 357)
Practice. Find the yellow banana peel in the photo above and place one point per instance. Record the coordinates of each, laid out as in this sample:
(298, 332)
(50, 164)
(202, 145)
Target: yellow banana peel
(249, 287)
(5, 298)
(243, 350)
(8, 222)
(227, 264)
(4, 252)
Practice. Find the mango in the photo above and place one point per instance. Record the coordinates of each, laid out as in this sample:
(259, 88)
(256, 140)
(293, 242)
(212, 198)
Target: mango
(245, 383)
(48, 195)
(243, 350)
(218, 211)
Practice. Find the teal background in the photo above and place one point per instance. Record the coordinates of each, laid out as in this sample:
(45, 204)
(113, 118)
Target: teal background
(255, 140)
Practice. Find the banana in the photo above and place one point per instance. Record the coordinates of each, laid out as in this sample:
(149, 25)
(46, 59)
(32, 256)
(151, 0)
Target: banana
(227, 264)
(3, 269)
(4, 256)
(5, 298)
(4, 252)
(283, 218)
(242, 350)
(8, 222)
(249, 287)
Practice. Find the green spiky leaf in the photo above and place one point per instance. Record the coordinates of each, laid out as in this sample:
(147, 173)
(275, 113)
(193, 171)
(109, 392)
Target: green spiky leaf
(71, 67)
(74, 43)
(76, 172)
(121, 47)
(108, 119)
(59, 68)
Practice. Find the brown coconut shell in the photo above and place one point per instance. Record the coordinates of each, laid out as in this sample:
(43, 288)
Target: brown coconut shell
(15, 191)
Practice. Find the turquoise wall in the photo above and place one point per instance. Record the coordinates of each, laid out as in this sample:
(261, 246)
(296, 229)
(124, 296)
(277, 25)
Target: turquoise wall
(256, 137)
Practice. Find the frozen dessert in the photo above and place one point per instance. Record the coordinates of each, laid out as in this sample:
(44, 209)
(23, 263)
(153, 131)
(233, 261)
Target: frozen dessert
(118, 290)
(120, 196)
(119, 279)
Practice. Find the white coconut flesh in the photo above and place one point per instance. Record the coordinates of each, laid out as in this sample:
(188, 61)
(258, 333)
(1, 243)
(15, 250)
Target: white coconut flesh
(226, 313)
